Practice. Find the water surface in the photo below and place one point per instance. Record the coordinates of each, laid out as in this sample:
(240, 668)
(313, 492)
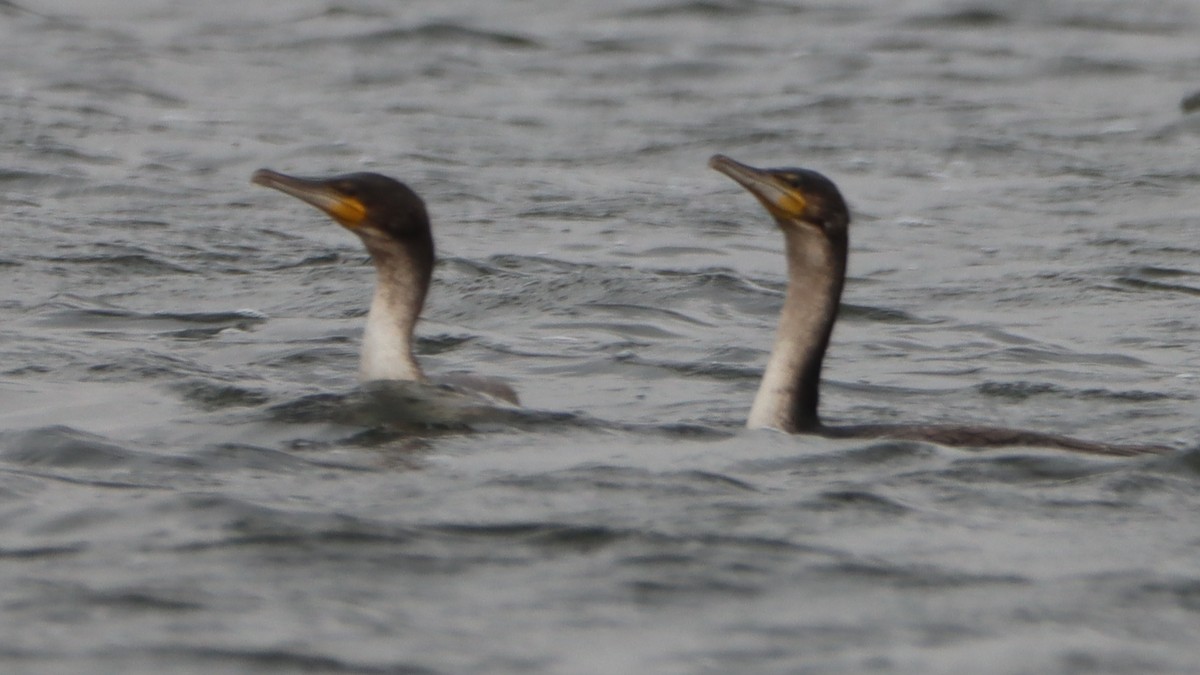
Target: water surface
(188, 481)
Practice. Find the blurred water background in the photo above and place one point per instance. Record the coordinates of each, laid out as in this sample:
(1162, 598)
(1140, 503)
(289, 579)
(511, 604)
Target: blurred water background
(186, 485)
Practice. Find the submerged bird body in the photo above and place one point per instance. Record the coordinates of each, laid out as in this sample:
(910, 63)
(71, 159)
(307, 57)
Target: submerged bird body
(393, 225)
(815, 222)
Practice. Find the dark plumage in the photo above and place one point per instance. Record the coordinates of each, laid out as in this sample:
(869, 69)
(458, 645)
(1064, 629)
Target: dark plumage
(393, 224)
(815, 221)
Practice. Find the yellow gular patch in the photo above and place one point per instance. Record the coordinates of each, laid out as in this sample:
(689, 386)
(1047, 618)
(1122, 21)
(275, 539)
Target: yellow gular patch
(792, 204)
(348, 211)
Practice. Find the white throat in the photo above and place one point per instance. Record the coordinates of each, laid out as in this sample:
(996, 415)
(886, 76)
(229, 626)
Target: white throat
(387, 340)
(788, 394)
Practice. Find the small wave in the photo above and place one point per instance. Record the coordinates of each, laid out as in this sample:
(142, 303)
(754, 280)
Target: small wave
(711, 369)
(1162, 272)
(10, 8)
(632, 480)
(440, 32)
(219, 395)
(217, 521)
(384, 413)
(1112, 16)
(240, 456)
(534, 265)
(62, 446)
(859, 500)
(712, 8)
(235, 660)
(666, 252)
(123, 191)
(25, 177)
(623, 46)
(137, 598)
(626, 309)
(1119, 17)
(1050, 355)
(403, 406)
(126, 264)
(851, 312)
(1074, 66)
(1183, 592)
(1021, 391)
(1026, 466)
(917, 576)
(314, 260)
(69, 313)
(115, 88)
(452, 32)
(548, 535)
(39, 552)
(840, 459)
(973, 17)
(1142, 284)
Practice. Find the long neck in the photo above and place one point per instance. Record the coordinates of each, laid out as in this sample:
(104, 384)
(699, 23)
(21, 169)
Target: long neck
(402, 279)
(788, 395)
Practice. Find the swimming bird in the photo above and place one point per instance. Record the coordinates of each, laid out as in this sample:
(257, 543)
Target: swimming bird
(392, 222)
(815, 221)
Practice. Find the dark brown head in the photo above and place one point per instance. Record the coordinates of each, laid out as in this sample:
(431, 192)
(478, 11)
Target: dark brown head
(384, 212)
(794, 197)
(815, 221)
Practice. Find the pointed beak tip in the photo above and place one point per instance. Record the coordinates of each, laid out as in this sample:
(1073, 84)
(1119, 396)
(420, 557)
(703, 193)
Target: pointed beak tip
(261, 177)
(719, 162)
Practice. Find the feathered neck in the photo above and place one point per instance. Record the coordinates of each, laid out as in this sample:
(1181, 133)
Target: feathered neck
(403, 270)
(788, 395)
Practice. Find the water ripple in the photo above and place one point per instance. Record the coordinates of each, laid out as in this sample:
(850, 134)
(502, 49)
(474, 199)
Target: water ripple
(188, 486)
(62, 446)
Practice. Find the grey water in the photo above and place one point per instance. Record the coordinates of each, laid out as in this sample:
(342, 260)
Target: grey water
(190, 482)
